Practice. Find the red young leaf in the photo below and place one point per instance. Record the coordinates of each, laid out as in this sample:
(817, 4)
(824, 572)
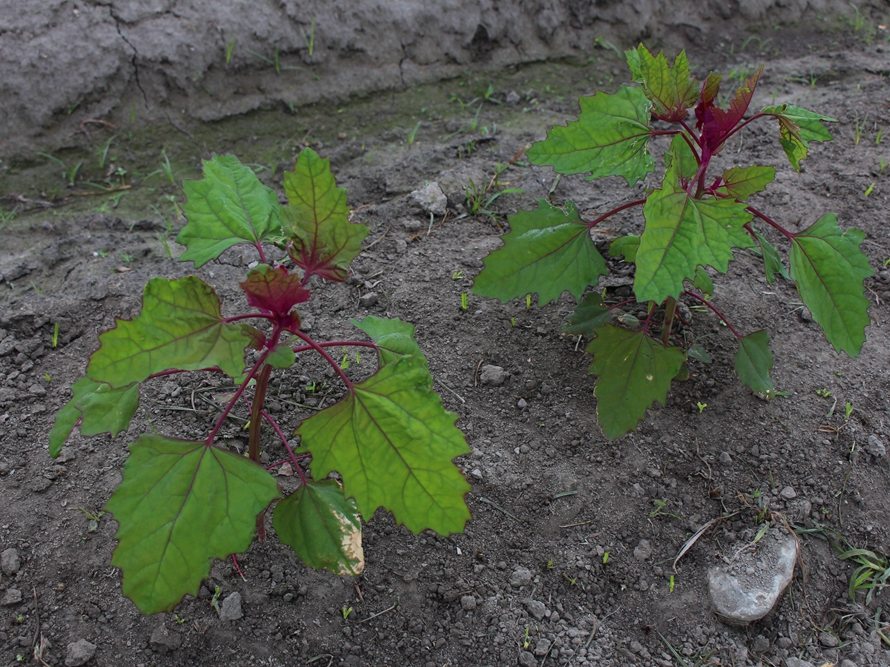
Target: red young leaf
(709, 91)
(273, 290)
(716, 123)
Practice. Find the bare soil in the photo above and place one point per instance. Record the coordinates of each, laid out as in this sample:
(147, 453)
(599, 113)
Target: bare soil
(569, 554)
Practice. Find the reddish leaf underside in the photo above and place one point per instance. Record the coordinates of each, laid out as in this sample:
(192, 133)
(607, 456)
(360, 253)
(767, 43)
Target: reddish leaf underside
(716, 123)
(275, 291)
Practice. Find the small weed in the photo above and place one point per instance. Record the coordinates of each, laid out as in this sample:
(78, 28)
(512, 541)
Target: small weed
(512, 321)
(869, 190)
(858, 127)
(528, 302)
(214, 601)
(848, 410)
(6, 217)
(102, 153)
(179, 619)
(55, 335)
(605, 558)
(882, 165)
(126, 257)
(346, 611)
(310, 40)
(464, 302)
(413, 133)
(165, 169)
(457, 275)
(48, 378)
(824, 393)
(68, 173)
(230, 47)
(671, 584)
(701, 406)
(526, 642)
(879, 137)
(659, 510)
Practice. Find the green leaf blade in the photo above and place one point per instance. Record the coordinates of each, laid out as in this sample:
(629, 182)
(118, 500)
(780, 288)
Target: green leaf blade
(797, 128)
(625, 246)
(742, 182)
(590, 314)
(228, 206)
(682, 233)
(98, 407)
(180, 505)
(829, 268)
(180, 326)
(772, 261)
(392, 427)
(610, 138)
(394, 337)
(547, 251)
(754, 361)
(323, 527)
(670, 88)
(633, 371)
(316, 220)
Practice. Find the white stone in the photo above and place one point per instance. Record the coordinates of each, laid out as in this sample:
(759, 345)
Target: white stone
(431, 199)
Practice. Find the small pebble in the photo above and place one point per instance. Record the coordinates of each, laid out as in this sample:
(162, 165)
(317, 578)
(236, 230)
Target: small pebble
(522, 404)
(468, 603)
(79, 653)
(788, 493)
(10, 562)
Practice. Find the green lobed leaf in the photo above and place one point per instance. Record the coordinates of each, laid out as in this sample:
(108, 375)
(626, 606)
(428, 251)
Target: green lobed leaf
(180, 327)
(282, 356)
(394, 337)
(680, 154)
(610, 138)
(625, 246)
(754, 361)
(316, 219)
(742, 182)
(323, 527)
(670, 88)
(697, 351)
(829, 268)
(681, 233)
(590, 314)
(228, 206)
(633, 371)
(547, 251)
(393, 444)
(703, 281)
(772, 261)
(797, 128)
(180, 505)
(98, 408)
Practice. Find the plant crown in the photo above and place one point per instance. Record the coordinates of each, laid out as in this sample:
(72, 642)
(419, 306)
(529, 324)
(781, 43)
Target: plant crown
(183, 503)
(692, 221)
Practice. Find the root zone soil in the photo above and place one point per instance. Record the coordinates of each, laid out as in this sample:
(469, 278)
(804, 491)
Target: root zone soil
(551, 495)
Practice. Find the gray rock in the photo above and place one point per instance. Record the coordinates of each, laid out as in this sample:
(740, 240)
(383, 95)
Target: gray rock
(526, 659)
(10, 562)
(643, 550)
(164, 641)
(806, 315)
(369, 299)
(513, 98)
(542, 648)
(431, 199)
(468, 603)
(828, 640)
(230, 609)
(11, 597)
(875, 447)
(522, 404)
(788, 493)
(760, 645)
(492, 375)
(797, 662)
(747, 589)
(536, 609)
(521, 576)
(79, 653)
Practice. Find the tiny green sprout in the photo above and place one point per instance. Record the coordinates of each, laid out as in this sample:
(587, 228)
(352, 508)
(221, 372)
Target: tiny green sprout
(550, 564)
(572, 580)
(413, 133)
(47, 377)
(526, 642)
(20, 657)
(457, 275)
(886, 263)
(230, 47)
(214, 601)
(701, 406)
(824, 393)
(882, 164)
(671, 584)
(126, 257)
(528, 302)
(464, 302)
(512, 321)
(55, 335)
(20, 618)
(848, 410)
(838, 373)
(345, 363)
(879, 137)
(605, 558)
(346, 611)
(868, 190)
(179, 619)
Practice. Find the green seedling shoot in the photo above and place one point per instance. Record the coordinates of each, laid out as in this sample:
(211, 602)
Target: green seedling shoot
(464, 302)
(605, 558)
(868, 190)
(55, 341)
(824, 393)
(701, 406)
(848, 410)
(671, 584)
(184, 502)
(694, 219)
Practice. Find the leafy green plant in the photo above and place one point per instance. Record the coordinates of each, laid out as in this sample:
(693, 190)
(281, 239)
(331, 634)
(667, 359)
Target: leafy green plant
(68, 173)
(182, 502)
(691, 221)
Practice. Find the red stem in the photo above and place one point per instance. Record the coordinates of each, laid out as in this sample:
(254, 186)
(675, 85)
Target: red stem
(259, 397)
(336, 343)
(259, 247)
(281, 435)
(638, 202)
(234, 399)
(318, 348)
(689, 130)
(249, 316)
(623, 303)
(739, 127)
(770, 221)
(715, 311)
